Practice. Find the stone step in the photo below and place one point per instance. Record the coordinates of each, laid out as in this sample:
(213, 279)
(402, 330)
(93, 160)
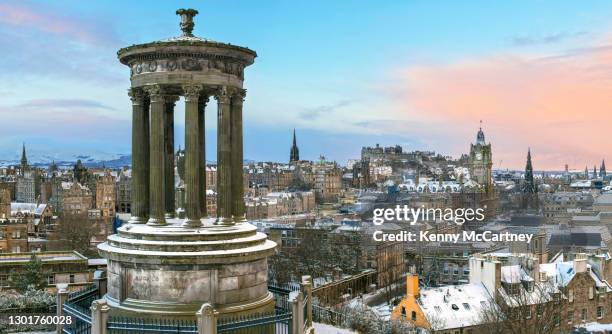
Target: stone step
(182, 245)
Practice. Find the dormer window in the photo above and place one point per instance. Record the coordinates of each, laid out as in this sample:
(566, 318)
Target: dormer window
(455, 307)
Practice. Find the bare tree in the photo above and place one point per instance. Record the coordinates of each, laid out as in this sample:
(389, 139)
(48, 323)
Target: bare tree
(74, 232)
(527, 308)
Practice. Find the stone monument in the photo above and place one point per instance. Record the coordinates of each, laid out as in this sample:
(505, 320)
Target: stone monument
(161, 264)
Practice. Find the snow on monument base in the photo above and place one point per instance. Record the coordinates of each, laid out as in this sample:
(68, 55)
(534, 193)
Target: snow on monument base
(173, 270)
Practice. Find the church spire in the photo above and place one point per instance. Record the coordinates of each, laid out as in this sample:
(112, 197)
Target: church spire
(529, 186)
(586, 172)
(24, 159)
(294, 154)
(602, 169)
(594, 172)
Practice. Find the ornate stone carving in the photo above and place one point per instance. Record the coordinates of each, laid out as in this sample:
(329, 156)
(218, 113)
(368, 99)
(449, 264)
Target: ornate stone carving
(187, 20)
(201, 63)
(154, 92)
(136, 95)
(238, 95)
(191, 64)
(171, 65)
(192, 92)
(222, 95)
(170, 99)
(152, 66)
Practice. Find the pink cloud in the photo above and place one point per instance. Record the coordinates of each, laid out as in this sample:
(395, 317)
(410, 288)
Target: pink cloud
(561, 107)
(26, 17)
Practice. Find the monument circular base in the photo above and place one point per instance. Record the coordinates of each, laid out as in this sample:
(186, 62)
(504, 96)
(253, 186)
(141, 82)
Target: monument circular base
(173, 270)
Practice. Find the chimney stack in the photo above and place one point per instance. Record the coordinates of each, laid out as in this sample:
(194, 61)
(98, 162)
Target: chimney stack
(412, 285)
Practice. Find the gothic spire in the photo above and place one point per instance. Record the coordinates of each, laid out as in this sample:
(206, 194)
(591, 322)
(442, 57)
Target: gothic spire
(294, 154)
(586, 172)
(594, 172)
(602, 169)
(529, 186)
(24, 159)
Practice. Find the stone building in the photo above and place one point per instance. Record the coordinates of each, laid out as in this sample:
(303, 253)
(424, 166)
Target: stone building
(105, 195)
(480, 161)
(275, 204)
(13, 235)
(327, 181)
(38, 217)
(5, 203)
(124, 197)
(211, 177)
(71, 268)
(562, 293)
(77, 199)
(28, 181)
(10, 184)
(28, 186)
(559, 207)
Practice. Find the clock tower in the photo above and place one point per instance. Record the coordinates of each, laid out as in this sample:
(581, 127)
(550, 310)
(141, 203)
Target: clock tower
(480, 162)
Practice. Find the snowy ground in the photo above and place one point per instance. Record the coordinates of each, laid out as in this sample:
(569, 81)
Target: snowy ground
(329, 329)
(382, 311)
(598, 328)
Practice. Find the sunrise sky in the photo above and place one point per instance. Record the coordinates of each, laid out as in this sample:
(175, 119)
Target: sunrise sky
(345, 74)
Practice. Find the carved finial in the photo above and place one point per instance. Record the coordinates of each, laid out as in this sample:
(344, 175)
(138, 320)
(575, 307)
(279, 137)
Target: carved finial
(187, 20)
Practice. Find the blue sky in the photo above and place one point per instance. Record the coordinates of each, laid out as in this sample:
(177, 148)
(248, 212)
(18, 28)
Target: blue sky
(343, 73)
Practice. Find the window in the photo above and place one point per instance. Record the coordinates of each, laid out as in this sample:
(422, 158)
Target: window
(570, 295)
(540, 309)
(583, 314)
(3, 280)
(466, 306)
(403, 311)
(51, 279)
(455, 271)
(557, 320)
(591, 292)
(413, 316)
(599, 312)
(570, 316)
(71, 278)
(527, 313)
(466, 271)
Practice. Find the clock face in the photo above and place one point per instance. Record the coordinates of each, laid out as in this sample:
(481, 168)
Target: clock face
(478, 156)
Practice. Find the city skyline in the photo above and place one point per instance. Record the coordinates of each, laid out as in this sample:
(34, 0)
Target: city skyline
(398, 73)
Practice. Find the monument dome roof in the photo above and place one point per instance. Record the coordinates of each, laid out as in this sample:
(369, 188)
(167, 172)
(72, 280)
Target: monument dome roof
(185, 42)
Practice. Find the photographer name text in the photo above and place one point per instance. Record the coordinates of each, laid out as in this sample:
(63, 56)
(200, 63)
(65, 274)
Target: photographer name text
(465, 236)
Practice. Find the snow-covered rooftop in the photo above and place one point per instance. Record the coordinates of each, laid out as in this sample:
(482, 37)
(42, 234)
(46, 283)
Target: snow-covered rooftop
(454, 306)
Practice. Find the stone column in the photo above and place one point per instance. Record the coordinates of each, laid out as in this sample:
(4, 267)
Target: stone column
(99, 316)
(224, 168)
(62, 296)
(202, 123)
(169, 154)
(207, 319)
(140, 157)
(192, 156)
(237, 156)
(157, 193)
